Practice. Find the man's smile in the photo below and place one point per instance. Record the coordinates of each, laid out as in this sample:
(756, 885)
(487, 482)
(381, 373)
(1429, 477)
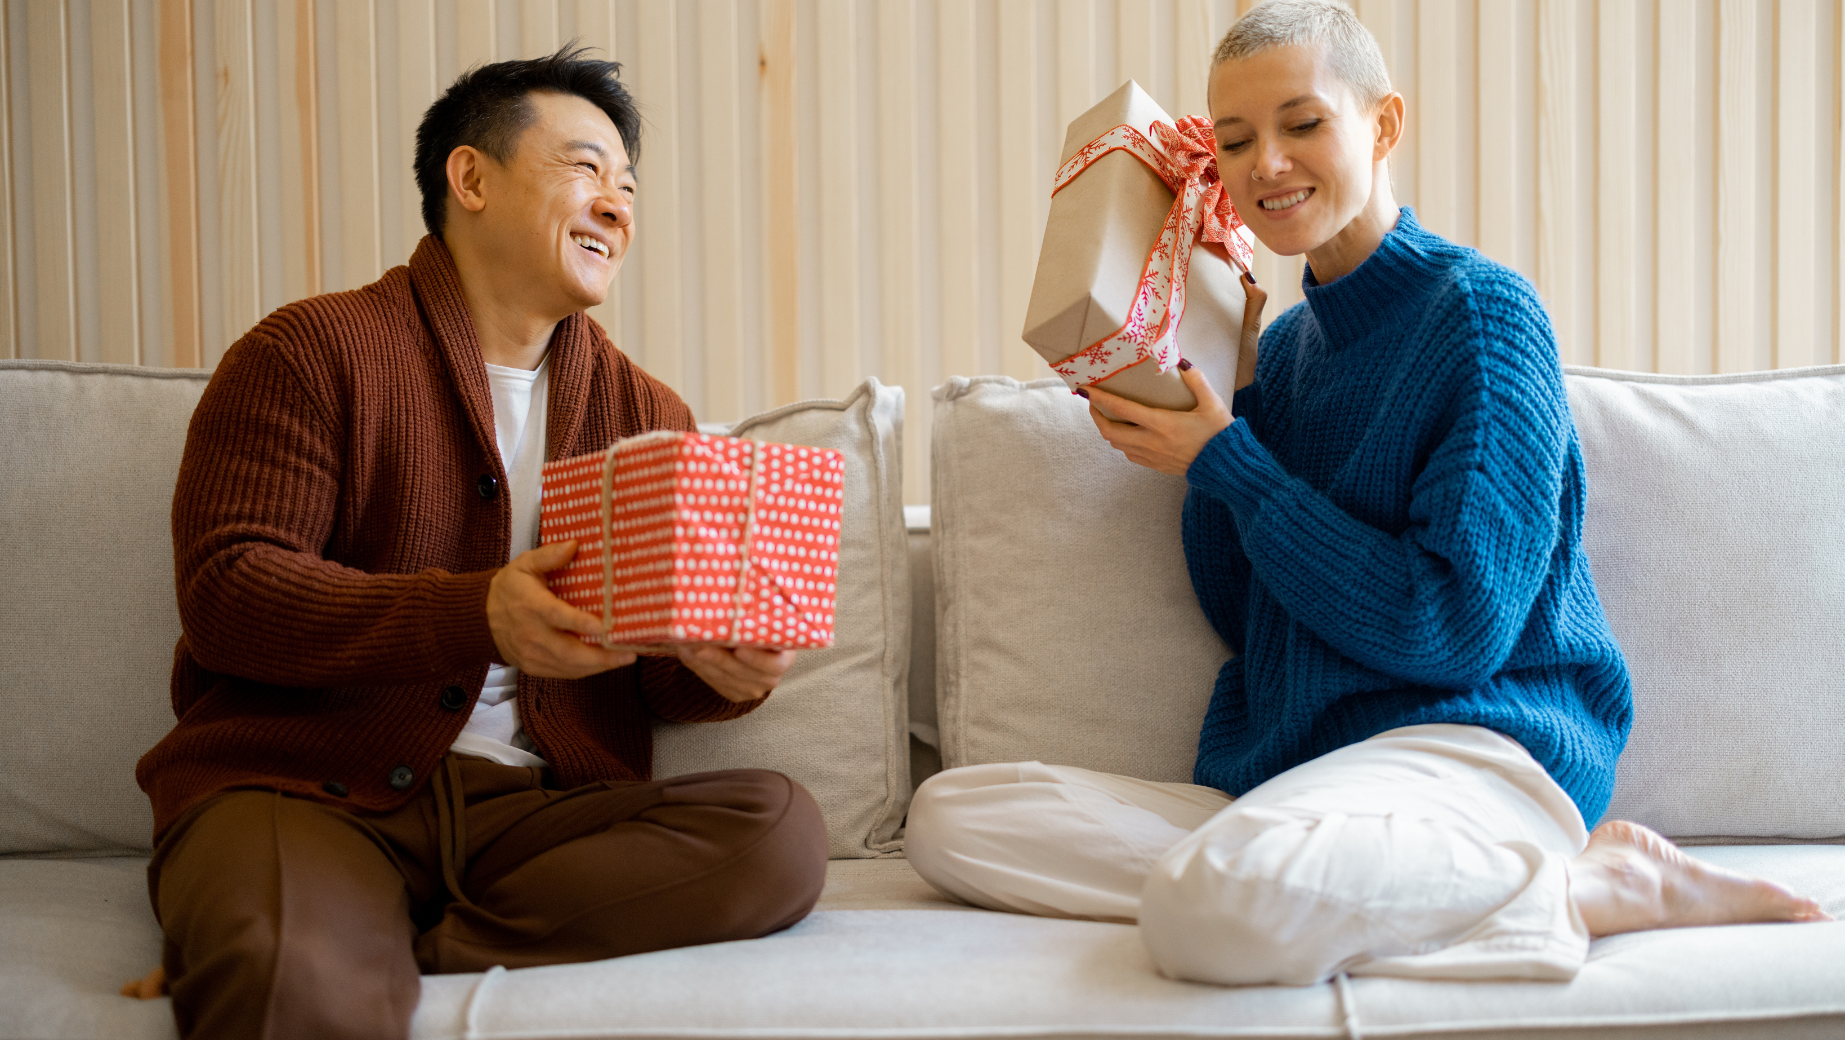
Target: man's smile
(594, 245)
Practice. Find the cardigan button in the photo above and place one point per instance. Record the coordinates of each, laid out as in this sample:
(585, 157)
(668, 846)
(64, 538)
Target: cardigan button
(402, 777)
(488, 485)
(334, 788)
(454, 698)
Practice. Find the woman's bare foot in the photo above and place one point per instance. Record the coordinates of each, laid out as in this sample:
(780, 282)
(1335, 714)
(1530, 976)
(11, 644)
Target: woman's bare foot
(1630, 879)
(151, 986)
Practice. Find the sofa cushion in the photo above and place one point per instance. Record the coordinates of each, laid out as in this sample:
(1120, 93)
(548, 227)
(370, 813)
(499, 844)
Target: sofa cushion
(839, 722)
(1716, 533)
(884, 956)
(89, 619)
(1066, 628)
(89, 622)
(1715, 528)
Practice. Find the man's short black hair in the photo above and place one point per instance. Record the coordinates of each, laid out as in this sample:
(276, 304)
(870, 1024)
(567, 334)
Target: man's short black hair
(489, 106)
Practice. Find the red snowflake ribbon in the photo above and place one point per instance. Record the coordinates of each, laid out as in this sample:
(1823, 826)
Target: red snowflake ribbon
(1185, 157)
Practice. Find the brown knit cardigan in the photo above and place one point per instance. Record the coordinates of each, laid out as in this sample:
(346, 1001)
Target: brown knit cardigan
(341, 509)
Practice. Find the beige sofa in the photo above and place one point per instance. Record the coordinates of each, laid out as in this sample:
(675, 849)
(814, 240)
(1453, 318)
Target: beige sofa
(1040, 612)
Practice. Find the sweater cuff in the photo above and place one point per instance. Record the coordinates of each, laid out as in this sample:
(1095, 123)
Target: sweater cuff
(458, 604)
(1243, 402)
(1237, 470)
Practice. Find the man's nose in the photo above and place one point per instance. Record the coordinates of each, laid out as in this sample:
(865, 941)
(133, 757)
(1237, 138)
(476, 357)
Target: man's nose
(617, 209)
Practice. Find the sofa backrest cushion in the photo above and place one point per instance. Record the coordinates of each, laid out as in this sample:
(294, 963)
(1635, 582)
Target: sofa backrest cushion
(88, 619)
(1716, 533)
(839, 722)
(1066, 628)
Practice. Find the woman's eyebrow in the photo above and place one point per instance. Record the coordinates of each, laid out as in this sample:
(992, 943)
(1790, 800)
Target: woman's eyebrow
(1283, 107)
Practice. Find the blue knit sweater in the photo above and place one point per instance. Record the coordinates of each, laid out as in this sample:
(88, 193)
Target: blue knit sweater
(1391, 530)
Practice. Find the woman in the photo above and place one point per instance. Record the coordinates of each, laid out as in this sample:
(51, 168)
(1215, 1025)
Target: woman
(1394, 775)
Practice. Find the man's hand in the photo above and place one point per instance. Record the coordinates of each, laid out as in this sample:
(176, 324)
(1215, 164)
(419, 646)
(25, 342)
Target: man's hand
(741, 675)
(1158, 438)
(535, 631)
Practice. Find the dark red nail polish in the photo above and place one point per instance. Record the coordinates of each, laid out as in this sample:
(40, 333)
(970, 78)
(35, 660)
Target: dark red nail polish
(1251, 275)
(1084, 394)
(1185, 365)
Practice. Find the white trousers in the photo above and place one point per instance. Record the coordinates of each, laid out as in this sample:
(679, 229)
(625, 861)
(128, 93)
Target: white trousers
(1425, 852)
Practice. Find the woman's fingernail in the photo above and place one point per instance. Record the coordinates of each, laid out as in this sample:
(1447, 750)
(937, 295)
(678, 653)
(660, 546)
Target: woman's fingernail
(1251, 275)
(1084, 394)
(1185, 365)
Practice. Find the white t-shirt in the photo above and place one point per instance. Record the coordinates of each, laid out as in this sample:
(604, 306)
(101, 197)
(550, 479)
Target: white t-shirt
(519, 399)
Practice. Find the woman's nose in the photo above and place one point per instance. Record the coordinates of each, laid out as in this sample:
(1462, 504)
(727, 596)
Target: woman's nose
(1271, 162)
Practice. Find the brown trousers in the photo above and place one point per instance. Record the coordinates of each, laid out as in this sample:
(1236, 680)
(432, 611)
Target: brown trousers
(286, 918)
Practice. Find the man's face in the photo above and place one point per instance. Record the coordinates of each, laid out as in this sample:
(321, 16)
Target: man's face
(560, 212)
(1294, 146)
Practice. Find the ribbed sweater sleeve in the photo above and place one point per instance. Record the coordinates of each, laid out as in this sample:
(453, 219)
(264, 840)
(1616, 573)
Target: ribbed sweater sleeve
(1214, 556)
(1444, 601)
(256, 502)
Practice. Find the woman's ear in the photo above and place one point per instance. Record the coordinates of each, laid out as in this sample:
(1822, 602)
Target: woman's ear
(1389, 129)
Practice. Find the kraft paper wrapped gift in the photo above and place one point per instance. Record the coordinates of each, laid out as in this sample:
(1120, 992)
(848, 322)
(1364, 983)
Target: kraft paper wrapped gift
(694, 538)
(1122, 263)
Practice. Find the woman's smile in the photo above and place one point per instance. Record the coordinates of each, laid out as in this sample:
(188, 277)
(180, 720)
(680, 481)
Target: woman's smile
(1280, 203)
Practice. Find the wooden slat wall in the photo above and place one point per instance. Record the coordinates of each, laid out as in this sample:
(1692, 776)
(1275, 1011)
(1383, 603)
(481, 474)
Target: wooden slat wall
(838, 188)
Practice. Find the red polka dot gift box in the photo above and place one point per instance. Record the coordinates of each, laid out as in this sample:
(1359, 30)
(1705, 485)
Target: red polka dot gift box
(693, 538)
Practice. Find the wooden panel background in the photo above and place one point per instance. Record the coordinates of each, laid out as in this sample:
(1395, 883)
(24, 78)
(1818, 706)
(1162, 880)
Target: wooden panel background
(838, 188)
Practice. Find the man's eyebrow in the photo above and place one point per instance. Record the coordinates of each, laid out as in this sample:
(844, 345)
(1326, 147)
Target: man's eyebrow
(588, 146)
(1283, 107)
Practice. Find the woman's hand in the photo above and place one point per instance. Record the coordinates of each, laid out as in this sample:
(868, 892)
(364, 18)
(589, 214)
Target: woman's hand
(1158, 438)
(1254, 299)
(1168, 441)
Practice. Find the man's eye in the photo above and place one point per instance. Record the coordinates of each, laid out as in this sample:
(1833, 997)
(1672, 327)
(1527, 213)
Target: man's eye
(590, 166)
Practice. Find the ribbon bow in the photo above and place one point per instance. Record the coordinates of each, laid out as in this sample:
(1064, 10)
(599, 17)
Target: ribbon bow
(1185, 157)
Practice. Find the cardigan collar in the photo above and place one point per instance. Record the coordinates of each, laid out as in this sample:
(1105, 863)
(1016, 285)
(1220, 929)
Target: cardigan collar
(573, 354)
(1405, 267)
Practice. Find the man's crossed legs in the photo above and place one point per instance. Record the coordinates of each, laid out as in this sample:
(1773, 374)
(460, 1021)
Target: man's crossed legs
(288, 918)
(1436, 851)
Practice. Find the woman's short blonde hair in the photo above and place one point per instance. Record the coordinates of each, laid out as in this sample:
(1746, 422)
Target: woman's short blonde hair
(1351, 50)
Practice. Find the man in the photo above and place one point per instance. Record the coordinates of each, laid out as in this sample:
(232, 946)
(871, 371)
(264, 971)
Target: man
(1393, 777)
(394, 753)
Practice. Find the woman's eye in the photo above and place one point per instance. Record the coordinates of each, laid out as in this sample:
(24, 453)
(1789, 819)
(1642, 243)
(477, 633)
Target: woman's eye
(1309, 125)
(1232, 147)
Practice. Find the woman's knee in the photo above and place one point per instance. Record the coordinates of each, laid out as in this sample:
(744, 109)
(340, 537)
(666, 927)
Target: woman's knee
(935, 831)
(1238, 911)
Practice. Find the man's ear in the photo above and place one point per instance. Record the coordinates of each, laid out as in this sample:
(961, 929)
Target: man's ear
(1389, 115)
(466, 165)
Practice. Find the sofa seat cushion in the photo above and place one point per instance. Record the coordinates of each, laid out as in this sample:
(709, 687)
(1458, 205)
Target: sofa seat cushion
(884, 955)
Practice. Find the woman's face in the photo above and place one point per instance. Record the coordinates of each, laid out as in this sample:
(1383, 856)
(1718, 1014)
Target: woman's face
(1295, 148)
